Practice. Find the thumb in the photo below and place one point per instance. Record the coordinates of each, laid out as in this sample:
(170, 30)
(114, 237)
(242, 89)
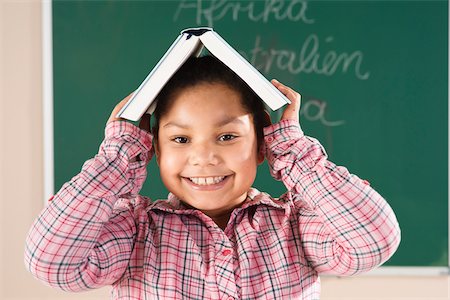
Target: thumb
(291, 112)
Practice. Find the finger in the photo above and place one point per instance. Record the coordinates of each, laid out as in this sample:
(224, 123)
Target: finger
(292, 110)
(117, 108)
(287, 91)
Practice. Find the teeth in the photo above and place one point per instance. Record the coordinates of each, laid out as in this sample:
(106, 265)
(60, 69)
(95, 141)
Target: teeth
(206, 180)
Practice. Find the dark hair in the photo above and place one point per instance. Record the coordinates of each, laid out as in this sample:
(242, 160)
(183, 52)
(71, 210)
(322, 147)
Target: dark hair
(208, 69)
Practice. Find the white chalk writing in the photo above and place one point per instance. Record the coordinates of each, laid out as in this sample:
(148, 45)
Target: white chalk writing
(215, 10)
(314, 110)
(308, 60)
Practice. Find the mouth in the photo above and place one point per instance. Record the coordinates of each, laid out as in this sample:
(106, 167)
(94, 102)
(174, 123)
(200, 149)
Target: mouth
(210, 183)
(204, 181)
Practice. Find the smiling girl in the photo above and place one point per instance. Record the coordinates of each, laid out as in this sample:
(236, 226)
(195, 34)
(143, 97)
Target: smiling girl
(215, 237)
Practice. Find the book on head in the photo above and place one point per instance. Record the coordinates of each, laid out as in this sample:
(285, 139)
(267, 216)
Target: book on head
(191, 42)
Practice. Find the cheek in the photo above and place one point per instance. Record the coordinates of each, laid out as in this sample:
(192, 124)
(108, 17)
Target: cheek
(245, 155)
(168, 162)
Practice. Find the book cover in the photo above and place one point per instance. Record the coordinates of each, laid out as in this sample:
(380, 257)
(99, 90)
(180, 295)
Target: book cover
(190, 42)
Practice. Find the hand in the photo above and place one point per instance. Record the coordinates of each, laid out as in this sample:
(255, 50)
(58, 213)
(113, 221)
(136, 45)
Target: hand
(116, 110)
(292, 111)
(144, 123)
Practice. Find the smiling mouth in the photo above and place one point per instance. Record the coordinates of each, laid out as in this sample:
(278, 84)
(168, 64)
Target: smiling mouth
(204, 181)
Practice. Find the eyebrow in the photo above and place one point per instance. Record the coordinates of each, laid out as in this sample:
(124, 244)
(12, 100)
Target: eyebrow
(221, 123)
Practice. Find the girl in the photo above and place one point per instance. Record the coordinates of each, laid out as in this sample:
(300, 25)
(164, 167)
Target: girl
(215, 237)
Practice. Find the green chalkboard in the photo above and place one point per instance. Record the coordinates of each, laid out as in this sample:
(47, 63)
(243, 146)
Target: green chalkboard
(373, 75)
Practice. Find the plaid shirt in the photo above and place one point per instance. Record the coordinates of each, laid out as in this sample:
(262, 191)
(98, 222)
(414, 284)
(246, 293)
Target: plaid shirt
(98, 231)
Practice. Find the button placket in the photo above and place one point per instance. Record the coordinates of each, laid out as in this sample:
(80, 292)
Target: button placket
(224, 265)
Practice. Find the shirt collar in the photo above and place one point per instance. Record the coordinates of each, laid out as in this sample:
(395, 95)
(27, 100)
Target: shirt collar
(254, 197)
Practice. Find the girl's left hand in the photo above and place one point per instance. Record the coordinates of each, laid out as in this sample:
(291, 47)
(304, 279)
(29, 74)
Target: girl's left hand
(292, 111)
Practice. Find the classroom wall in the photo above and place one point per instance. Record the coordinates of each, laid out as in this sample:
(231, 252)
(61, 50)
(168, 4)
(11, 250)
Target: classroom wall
(21, 175)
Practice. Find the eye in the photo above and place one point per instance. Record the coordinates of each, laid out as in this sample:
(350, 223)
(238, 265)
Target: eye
(227, 137)
(180, 140)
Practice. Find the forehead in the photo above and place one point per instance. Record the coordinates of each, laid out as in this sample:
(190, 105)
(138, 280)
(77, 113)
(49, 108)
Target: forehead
(206, 100)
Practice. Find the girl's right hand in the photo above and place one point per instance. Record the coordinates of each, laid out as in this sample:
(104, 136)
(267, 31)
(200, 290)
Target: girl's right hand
(116, 110)
(144, 123)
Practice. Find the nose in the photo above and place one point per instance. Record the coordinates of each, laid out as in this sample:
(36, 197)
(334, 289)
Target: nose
(203, 154)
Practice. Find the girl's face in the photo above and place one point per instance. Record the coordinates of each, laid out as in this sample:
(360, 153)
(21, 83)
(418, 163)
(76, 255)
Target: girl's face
(207, 148)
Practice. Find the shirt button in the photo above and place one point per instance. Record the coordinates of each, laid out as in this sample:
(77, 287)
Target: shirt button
(269, 139)
(226, 252)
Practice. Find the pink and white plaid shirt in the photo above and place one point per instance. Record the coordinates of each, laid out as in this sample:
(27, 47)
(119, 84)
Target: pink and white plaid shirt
(98, 231)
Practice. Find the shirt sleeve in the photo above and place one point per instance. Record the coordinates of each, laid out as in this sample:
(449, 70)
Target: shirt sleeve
(79, 241)
(346, 227)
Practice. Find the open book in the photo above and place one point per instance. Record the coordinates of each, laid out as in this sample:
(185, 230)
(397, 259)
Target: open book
(190, 42)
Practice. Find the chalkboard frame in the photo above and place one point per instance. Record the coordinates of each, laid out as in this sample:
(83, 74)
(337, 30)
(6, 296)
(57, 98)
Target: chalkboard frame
(48, 145)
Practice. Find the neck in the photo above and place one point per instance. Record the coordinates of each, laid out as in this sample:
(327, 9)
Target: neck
(222, 216)
(222, 220)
